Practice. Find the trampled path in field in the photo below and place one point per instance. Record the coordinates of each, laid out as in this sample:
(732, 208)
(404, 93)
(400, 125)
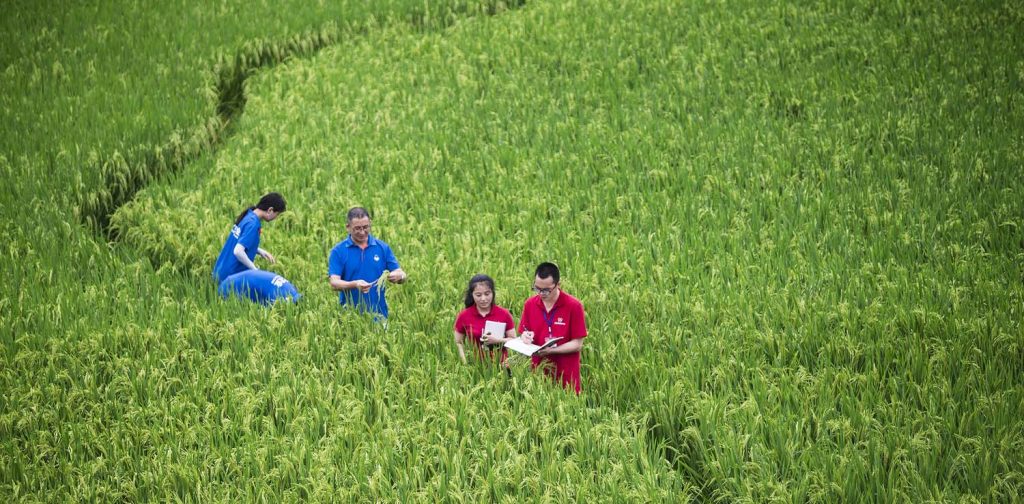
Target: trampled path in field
(127, 174)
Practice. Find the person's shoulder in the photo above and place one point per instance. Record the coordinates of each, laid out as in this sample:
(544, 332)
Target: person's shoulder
(532, 302)
(255, 276)
(262, 274)
(502, 311)
(244, 278)
(250, 219)
(505, 314)
(249, 225)
(341, 246)
(465, 313)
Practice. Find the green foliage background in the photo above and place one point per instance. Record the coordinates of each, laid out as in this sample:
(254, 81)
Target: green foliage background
(795, 227)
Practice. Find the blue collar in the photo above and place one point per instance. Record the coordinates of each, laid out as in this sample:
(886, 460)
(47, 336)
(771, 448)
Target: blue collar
(370, 242)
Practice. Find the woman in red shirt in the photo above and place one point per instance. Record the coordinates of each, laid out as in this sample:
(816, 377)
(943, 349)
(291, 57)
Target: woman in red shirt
(480, 309)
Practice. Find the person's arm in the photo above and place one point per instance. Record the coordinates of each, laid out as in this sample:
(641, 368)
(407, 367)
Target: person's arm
(395, 273)
(524, 334)
(571, 346)
(248, 239)
(239, 252)
(339, 285)
(510, 334)
(577, 328)
(335, 268)
(266, 255)
(510, 326)
(397, 276)
(459, 339)
(494, 339)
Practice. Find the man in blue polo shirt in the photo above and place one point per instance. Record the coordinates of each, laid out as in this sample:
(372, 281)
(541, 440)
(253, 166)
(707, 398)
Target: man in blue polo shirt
(355, 265)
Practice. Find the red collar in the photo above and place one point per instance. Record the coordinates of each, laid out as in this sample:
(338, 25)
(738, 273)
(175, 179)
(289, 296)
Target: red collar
(558, 302)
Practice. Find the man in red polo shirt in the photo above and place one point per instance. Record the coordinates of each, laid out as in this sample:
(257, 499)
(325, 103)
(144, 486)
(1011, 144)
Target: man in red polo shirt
(553, 313)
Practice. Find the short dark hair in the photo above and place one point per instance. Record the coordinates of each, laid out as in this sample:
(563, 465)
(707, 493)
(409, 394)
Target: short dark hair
(548, 270)
(473, 282)
(356, 213)
(272, 200)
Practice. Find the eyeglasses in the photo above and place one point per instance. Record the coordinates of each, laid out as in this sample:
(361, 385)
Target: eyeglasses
(361, 228)
(543, 292)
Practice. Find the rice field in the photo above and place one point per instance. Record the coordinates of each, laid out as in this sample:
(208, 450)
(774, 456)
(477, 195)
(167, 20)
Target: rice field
(795, 227)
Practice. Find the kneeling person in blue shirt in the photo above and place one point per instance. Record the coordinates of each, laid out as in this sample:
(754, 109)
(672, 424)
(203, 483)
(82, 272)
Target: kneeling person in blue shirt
(355, 264)
(258, 286)
(243, 243)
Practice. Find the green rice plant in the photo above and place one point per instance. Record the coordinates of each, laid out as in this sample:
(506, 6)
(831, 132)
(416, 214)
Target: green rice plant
(795, 228)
